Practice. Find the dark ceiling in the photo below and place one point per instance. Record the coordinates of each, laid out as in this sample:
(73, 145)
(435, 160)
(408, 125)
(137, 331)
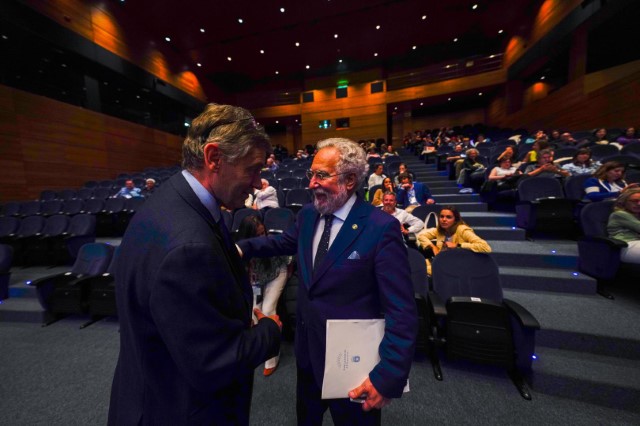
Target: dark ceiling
(404, 40)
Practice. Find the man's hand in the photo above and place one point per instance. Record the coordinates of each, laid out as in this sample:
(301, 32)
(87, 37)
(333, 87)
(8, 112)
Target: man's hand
(373, 400)
(258, 313)
(431, 201)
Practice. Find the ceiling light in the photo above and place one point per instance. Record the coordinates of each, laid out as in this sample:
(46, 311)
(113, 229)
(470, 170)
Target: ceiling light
(455, 40)
(137, 96)
(543, 77)
(240, 20)
(395, 108)
(424, 17)
(500, 31)
(261, 51)
(475, 6)
(297, 44)
(277, 72)
(421, 103)
(282, 9)
(307, 67)
(186, 124)
(340, 60)
(449, 99)
(4, 37)
(63, 65)
(201, 30)
(277, 122)
(167, 39)
(335, 36)
(492, 56)
(377, 27)
(414, 47)
(199, 64)
(229, 58)
(447, 66)
(375, 54)
(479, 93)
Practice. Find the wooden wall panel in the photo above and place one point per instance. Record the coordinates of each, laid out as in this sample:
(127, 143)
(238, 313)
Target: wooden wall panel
(46, 144)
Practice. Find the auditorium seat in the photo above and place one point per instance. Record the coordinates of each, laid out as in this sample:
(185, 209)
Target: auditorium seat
(81, 231)
(278, 220)
(542, 206)
(8, 228)
(38, 251)
(6, 260)
(239, 215)
(47, 194)
(30, 208)
(469, 318)
(51, 207)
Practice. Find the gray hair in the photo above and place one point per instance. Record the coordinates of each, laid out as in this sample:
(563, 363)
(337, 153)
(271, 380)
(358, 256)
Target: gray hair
(353, 159)
(233, 128)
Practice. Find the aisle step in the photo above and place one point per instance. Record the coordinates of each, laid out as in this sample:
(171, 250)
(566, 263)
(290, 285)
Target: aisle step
(490, 219)
(500, 233)
(547, 279)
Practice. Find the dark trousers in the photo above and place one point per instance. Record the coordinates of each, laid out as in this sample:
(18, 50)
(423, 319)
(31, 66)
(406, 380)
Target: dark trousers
(310, 408)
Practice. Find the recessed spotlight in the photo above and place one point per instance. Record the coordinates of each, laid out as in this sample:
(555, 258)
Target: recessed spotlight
(4, 37)
(229, 58)
(543, 77)
(296, 120)
(137, 96)
(455, 40)
(421, 103)
(186, 124)
(414, 47)
(449, 99)
(500, 31)
(240, 20)
(261, 52)
(395, 108)
(167, 38)
(307, 67)
(297, 44)
(106, 83)
(475, 6)
(282, 9)
(424, 17)
(63, 65)
(277, 72)
(340, 60)
(377, 27)
(375, 54)
(335, 36)
(199, 64)
(479, 93)
(201, 30)
(492, 56)
(277, 122)
(447, 66)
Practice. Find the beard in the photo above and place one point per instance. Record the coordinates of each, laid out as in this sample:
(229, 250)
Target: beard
(327, 203)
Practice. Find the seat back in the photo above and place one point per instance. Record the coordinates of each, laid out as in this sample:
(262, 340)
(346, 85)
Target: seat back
(85, 193)
(31, 226)
(422, 211)
(101, 193)
(574, 186)
(93, 205)
(632, 148)
(299, 173)
(56, 225)
(82, 224)
(297, 197)
(73, 207)
(289, 183)
(240, 214)
(47, 195)
(278, 220)
(66, 194)
(418, 268)
(93, 259)
(51, 207)
(114, 205)
(30, 208)
(283, 173)
(12, 208)
(599, 152)
(9, 225)
(594, 218)
(479, 276)
(539, 187)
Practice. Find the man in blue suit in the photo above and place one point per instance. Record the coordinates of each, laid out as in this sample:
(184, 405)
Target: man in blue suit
(352, 265)
(412, 194)
(188, 347)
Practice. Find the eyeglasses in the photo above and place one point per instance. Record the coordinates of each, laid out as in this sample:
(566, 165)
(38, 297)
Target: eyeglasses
(320, 175)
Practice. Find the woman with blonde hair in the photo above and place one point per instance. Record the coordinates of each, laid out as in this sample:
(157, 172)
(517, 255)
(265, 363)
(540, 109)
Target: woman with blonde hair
(624, 224)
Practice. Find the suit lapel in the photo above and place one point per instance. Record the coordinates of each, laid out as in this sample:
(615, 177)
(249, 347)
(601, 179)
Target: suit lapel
(351, 228)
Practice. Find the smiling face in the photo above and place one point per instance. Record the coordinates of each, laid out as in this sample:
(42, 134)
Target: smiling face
(387, 185)
(389, 203)
(633, 204)
(329, 193)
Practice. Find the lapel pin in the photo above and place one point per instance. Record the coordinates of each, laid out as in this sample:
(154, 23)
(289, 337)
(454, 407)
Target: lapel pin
(354, 226)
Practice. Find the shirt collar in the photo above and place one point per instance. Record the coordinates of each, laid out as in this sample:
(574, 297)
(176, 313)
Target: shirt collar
(343, 211)
(205, 197)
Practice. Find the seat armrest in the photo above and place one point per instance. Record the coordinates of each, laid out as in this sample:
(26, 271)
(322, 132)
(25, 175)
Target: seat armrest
(525, 317)
(411, 240)
(275, 231)
(62, 277)
(611, 242)
(438, 308)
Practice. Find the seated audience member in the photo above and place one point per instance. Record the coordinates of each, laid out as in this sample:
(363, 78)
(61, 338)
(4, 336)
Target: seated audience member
(554, 137)
(412, 194)
(267, 276)
(582, 164)
(372, 153)
(271, 165)
(540, 135)
(509, 152)
(129, 190)
(628, 137)
(532, 156)
(389, 152)
(387, 186)
(566, 139)
(377, 176)
(624, 224)
(409, 224)
(545, 166)
(480, 139)
(472, 170)
(149, 187)
(265, 197)
(455, 161)
(505, 175)
(451, 232)
(402, 168)
(607, 182)
(599, 137)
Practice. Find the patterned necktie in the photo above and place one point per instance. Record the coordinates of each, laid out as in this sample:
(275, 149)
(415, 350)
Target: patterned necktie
(323, 245)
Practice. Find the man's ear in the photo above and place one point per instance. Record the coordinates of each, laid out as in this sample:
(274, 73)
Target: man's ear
(350, 181)
(212, 156)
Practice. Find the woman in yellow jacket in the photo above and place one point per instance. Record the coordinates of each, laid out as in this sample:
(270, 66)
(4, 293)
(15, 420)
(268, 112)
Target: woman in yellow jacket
(451, 232)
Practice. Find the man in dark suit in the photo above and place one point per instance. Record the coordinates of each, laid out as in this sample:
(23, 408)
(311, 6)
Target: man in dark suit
(353, 265)
(412, 194)
(188, 347)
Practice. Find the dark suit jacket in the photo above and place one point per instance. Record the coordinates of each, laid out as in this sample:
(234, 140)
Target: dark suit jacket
(187, 348)
(422, 194)
(376, 285)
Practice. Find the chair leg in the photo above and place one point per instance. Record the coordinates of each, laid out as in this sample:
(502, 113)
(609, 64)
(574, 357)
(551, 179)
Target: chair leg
(433, 353)
(603, 292)
(93, 319)
(520, 383)
(50, 318)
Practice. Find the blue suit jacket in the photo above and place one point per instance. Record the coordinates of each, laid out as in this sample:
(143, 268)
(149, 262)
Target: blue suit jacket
(375, 285)
(422, 194)
(187, 348)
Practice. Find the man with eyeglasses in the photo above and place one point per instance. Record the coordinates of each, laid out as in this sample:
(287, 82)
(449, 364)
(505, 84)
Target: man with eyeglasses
(353, 265)
(188, 348)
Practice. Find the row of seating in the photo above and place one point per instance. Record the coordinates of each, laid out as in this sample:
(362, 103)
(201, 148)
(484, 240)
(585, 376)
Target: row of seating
(69, 207)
